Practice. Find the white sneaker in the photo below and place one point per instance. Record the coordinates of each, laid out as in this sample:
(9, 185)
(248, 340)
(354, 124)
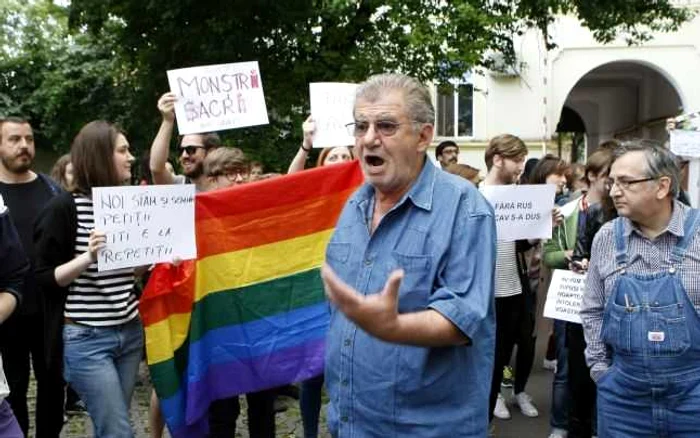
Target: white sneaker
(524, 402)
(501, 410)
(550, 365)
(558, 433)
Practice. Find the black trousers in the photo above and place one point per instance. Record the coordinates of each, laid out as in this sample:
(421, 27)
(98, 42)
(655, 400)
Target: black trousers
(261, 415)
(582, 407)
(515, 324)
(22, 340)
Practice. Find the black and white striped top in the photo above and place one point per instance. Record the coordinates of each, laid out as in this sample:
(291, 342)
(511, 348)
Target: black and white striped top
(98, 298)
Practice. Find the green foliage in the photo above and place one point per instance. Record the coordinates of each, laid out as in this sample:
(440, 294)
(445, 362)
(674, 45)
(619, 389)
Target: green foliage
(108, 58)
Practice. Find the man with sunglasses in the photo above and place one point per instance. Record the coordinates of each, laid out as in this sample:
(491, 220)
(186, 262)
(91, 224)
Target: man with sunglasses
(409, 272)
(192, 150)
(640, 307)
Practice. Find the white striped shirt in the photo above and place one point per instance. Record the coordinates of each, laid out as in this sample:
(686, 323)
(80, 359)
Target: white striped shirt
(507, 277)
(98, 298)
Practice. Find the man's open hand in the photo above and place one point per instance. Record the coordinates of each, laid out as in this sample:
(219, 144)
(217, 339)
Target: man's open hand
(377, 314)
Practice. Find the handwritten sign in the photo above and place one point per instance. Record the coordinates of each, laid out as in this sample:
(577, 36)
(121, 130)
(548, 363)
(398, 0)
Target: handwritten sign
(332, 108)
(144, 224)
(522, 212)
(565, 295)
(218, 97)
(685, 143)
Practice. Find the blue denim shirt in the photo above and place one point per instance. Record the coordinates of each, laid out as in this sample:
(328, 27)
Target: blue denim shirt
(443, 234)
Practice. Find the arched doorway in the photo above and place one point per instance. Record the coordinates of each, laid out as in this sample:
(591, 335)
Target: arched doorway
(571, 136)
(623, 99)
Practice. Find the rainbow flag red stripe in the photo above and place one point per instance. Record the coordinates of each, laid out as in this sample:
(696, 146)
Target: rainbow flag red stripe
(250, 312)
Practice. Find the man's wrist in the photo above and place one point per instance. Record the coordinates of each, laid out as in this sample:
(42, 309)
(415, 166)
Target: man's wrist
(305, 149)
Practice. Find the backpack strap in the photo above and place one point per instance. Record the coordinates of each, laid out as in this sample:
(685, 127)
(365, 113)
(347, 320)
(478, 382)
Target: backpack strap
(51, 184)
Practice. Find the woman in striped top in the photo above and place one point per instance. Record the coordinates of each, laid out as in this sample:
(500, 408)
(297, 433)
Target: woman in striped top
(102, 336)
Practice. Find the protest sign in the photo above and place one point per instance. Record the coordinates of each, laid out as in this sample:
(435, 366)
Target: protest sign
(331, 108)
(218, 97)
(685, 143)
(144, 224)
(564, 296)
(522, 211)
(569, 208)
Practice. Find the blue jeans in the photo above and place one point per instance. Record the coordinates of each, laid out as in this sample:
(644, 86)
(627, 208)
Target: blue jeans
(101, 364)
(559, 414)
(310, 405)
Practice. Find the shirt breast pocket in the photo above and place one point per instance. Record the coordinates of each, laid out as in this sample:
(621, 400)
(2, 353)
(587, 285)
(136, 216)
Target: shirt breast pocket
(337, 252)
(416, 285)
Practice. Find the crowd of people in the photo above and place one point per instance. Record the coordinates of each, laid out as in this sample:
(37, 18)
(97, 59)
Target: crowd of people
(428, 305)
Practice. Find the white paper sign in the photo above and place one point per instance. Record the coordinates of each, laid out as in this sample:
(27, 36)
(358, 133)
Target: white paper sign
(685, 143)
(570, 207)
(218, 97)
(522, 211)
(144, 224)
(331, 108)
(564, 296)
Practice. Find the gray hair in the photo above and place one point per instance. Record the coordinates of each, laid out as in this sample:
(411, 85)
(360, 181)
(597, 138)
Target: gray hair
(418, 100)
(659, 161)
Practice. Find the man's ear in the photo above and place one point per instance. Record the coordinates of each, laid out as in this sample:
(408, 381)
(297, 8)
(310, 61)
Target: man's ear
(664, 187)
(497, 161)
(425, 137)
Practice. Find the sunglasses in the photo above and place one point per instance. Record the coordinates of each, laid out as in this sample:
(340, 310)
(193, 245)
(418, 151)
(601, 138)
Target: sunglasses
(190, 150)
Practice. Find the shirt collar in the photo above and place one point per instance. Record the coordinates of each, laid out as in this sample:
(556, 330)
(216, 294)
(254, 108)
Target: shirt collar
(420, 193)
(675, 225)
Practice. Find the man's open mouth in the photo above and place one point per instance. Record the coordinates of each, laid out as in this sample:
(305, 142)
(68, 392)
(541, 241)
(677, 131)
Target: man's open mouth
(373, 160)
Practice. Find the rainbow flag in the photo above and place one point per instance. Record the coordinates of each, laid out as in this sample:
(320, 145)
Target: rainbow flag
(250, 312)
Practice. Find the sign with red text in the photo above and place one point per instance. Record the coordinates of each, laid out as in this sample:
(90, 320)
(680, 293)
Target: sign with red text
(218, 97)
(332, 108)
(565, 295)
(144, 224)
(522, 211)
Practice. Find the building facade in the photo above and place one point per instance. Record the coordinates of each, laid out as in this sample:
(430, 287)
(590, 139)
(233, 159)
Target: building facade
(590, 91)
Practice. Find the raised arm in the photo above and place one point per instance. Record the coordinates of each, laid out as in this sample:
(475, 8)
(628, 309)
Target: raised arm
(161, 144)
(299, 161)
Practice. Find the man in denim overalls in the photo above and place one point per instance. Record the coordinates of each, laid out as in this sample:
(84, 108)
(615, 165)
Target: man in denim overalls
(640, 307)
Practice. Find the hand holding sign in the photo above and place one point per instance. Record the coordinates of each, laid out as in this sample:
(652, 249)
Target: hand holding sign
(166, 106)
(309, 128)
(96, 242)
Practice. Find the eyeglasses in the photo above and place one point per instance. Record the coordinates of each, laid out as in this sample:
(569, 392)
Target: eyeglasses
(624, 184)
(385, 128)
(232, 174)
(190, 150)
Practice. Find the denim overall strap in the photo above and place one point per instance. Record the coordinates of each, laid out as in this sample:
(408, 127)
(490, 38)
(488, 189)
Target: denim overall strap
(689, 229)
(620, 243)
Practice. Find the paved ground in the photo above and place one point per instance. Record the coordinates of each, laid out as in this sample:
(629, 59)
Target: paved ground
(289, 422)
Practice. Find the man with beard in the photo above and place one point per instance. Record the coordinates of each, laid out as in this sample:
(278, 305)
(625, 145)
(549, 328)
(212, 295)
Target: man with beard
(26, 193)
(447, 153)
(515, 307)
(193, 148)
